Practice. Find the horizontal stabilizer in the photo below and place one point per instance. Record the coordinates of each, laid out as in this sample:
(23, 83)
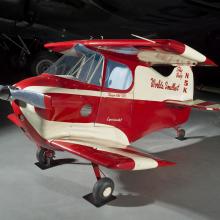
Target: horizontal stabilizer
(200, 104)
(127, 158)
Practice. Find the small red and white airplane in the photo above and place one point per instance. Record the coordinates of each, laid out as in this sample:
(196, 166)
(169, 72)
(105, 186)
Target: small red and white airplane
(101, 96)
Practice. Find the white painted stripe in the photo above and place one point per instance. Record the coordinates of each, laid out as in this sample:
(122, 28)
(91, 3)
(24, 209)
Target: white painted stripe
(190, 102)
(86, 134)
(101, 134)
(216, 106)
(197, 104)
(162, 57)
(193, 54)
(48, 89)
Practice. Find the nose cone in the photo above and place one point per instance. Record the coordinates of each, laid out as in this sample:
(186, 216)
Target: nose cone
(4, 92)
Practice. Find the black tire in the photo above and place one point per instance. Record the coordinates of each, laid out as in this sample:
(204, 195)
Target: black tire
(43, 158)
(103, 190)
(181, 134)
(42, 61)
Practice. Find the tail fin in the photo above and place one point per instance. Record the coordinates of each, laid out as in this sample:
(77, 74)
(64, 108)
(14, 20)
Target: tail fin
(182, 76)
(151, 85)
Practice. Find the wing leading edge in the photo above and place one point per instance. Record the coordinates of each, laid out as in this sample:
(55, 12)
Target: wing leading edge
(127, 158)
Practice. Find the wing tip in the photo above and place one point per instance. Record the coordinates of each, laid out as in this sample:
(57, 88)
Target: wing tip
(209, 62)
(164, 163)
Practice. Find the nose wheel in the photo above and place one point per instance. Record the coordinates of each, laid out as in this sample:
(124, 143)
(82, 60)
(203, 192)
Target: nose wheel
(45, 157)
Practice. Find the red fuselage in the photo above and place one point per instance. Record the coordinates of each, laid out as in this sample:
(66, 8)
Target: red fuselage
(134, 118)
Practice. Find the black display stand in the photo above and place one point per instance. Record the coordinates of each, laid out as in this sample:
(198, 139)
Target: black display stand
(90, 199)
(181, 139)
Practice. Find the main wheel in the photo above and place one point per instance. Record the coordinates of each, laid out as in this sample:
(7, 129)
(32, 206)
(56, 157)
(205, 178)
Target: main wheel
(103, 190)
(181, 134)
(44, 157)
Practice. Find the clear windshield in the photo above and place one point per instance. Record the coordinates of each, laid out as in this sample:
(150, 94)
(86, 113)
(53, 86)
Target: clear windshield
(81, 64)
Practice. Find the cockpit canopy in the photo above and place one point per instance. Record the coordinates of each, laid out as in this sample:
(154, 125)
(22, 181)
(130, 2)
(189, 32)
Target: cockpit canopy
(81, 64)
(85, 65)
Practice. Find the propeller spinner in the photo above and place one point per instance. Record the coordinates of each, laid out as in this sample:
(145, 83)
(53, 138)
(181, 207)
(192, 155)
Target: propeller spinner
(39, 100)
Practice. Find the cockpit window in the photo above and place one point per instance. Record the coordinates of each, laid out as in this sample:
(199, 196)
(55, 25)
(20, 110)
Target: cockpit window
(81, 64)
(118, 76)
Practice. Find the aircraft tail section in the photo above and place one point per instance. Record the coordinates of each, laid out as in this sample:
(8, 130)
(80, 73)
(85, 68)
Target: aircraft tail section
(152, 85)
(182, 77)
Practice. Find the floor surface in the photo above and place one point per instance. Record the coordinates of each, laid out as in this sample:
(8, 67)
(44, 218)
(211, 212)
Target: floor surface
(189, 190)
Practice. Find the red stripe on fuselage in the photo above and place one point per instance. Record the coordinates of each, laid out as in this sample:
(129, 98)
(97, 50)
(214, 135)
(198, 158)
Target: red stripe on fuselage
(67, 108)
(49, 80)
(134, 117)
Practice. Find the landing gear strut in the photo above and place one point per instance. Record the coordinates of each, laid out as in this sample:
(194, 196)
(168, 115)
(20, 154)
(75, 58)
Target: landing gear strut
(102, 190)
(45, 157)
(180, 134)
